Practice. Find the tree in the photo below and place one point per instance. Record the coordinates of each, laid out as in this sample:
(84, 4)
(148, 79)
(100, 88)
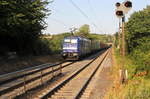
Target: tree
(138, 37)
(138, 29)
(21, 22)
(56, 42)
(83, 31)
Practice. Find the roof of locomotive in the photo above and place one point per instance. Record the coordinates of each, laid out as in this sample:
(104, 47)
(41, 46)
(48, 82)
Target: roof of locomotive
(76, 37)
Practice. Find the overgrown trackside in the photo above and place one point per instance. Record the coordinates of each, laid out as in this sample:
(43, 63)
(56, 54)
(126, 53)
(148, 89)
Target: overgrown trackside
(138, 39)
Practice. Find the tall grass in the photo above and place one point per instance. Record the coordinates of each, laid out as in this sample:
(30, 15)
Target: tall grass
(137, 87)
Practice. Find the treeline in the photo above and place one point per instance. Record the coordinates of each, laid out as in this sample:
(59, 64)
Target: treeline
(84, 31)
(138, 39)
(55, 44)
(21, 25)
(21, 22)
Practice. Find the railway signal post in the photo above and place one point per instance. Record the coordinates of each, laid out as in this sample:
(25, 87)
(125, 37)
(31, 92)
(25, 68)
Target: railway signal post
(119, 32)
(122, 9)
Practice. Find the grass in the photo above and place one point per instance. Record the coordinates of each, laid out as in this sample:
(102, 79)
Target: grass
(138, 85)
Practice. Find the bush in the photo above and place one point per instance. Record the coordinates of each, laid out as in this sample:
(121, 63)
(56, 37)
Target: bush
(137, 87)
(138, 39)
(42, 46)
(56, 42)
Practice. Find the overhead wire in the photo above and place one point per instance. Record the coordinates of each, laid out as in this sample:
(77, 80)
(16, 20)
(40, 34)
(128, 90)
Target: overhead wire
(58, 21)
(85, 15)
(92, 10)
(58, 11)
(81, 11)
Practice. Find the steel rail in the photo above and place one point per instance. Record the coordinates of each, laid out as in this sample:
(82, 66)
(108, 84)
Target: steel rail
(30, 72)
(60, 85)
(78, 96)
(10, 77)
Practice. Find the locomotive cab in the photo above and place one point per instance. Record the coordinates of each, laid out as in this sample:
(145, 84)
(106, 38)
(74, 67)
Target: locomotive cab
(70, 48)
(75, 47)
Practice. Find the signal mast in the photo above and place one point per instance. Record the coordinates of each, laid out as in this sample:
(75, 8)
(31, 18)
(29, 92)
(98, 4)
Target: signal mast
(121, 10)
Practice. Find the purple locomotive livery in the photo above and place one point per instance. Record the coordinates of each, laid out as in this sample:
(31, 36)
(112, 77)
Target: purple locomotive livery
(74, 47)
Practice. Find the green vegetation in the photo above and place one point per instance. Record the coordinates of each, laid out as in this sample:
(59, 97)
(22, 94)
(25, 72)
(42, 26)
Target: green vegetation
(137, 87)
(102, 37)
(21, 25)
(138, 39)
(138, 47)
(84, 31)
(56, 42)
(21, 22)
(137, 60)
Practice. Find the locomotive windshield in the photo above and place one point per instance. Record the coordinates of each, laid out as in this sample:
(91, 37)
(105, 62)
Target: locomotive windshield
(67, 40)
(70, 40)
(74, 41)
(70, 44)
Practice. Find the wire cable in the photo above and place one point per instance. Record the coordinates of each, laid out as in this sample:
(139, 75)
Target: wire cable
(93, 11)
(84, 14)
(58, 21)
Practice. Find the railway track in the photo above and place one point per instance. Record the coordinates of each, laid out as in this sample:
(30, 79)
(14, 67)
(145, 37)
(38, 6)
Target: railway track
(20, 82)
(17, 83)
(75, 85)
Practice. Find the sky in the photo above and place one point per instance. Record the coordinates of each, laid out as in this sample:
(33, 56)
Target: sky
(99, 14)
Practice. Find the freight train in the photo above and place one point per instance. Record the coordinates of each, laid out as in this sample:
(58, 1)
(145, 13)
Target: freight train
(75, 47)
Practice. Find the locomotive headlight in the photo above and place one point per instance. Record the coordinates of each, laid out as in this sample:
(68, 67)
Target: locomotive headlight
(64, 54)
(75, 54)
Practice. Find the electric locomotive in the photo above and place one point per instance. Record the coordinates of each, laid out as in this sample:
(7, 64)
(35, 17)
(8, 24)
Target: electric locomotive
(75, 47)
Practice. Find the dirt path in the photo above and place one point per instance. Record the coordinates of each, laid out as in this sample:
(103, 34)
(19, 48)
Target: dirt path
(105, 80)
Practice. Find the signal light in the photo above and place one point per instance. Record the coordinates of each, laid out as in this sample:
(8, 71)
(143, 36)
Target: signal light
(128, 4)
(118, 4)
(119, 13)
